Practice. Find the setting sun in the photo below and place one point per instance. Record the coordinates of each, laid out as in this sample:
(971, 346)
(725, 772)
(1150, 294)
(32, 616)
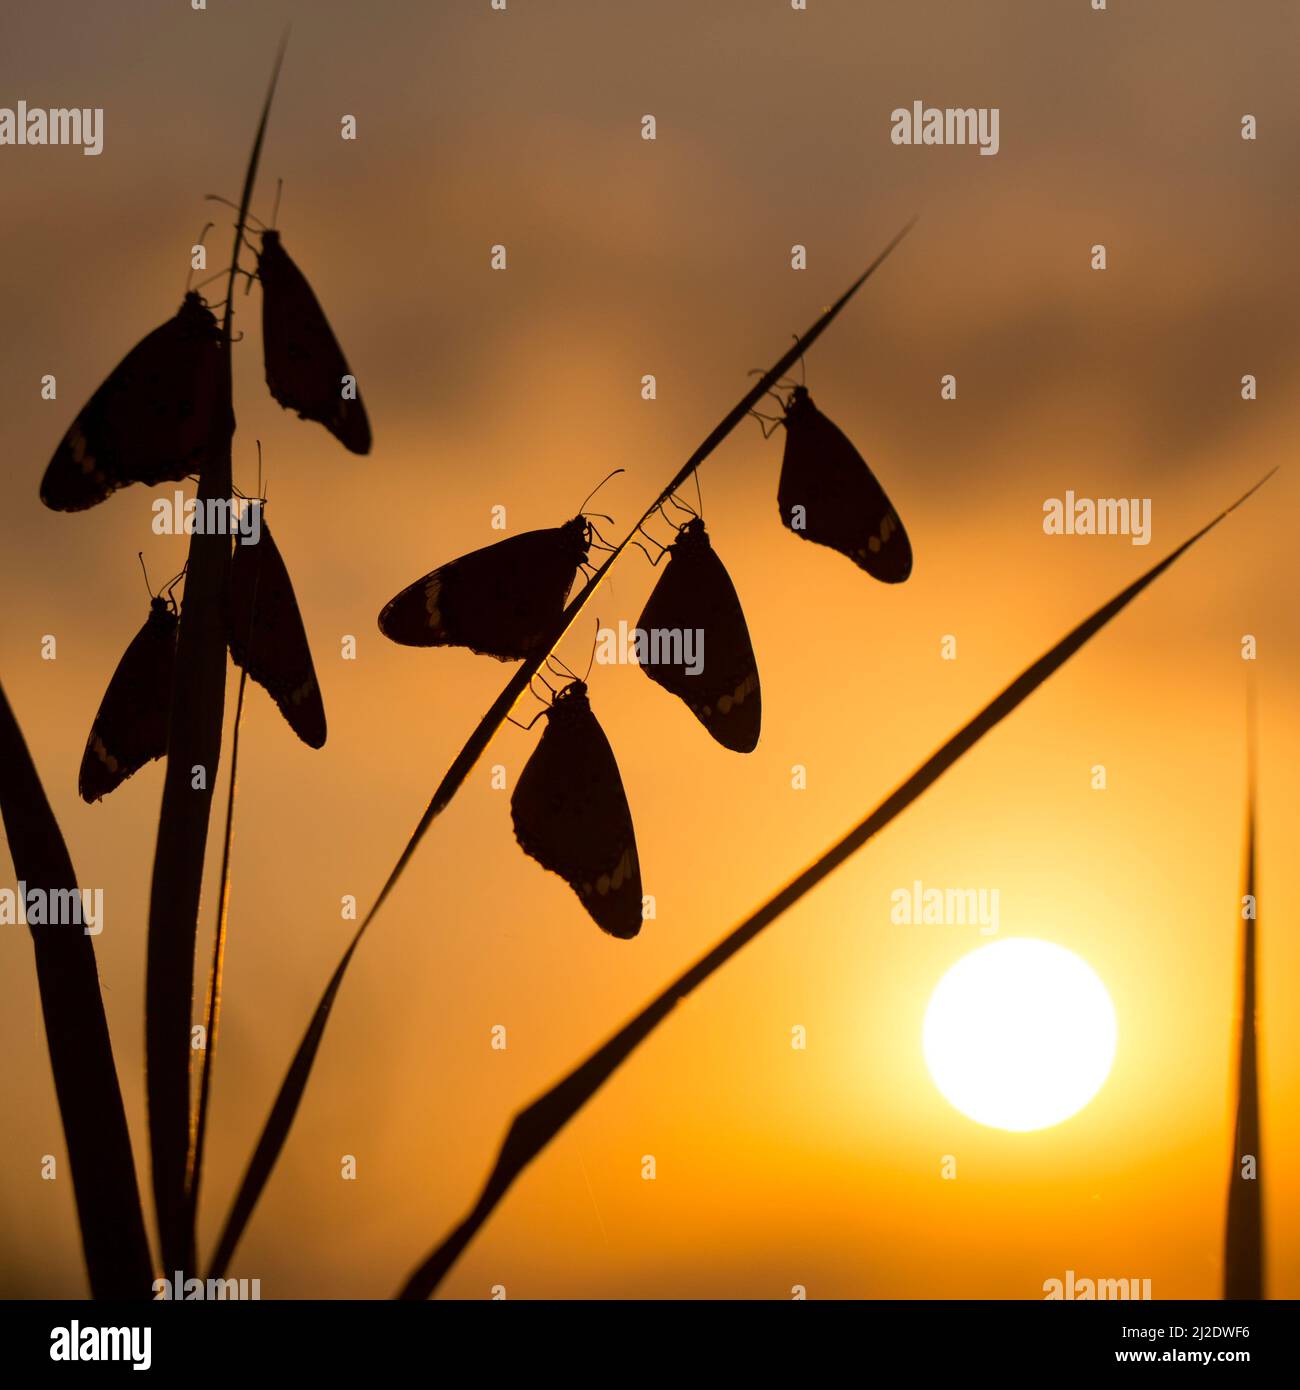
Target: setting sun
(1020, 1035)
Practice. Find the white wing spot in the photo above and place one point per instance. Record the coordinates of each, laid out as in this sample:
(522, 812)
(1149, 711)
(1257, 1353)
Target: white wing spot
(104, 756)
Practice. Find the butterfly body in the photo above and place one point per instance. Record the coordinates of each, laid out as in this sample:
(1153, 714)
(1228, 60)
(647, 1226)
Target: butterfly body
(501, 601)
(305, 366)
(153, 419)
(130, 727)
(695, 594)
(571, 814)
(267, 638)
(840, 503)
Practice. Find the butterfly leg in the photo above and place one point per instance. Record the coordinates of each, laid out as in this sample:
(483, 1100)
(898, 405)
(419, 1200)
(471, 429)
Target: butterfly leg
(655, 560)
(604, 544)
(531, 722)
(767, 423)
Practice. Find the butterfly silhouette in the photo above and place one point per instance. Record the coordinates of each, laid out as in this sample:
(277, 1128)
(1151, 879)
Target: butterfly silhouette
(571, 814)
(827, 494)
(695, 594)
(130, 727)
(500, 601)
(305, 366)
(153, 419)
(267, 638)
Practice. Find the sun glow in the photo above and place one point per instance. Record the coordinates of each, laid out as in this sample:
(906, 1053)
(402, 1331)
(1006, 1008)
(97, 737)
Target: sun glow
(1019, 1035)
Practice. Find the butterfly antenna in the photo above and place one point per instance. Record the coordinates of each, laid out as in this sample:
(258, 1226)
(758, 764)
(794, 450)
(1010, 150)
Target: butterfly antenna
(207, 227)
(803, 376)
(275, 211)
(596, 489)
(560, 668)
(145, 570)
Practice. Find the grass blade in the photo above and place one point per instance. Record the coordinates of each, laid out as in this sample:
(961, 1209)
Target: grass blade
(534, 1128)
(194, 742)
(212, 1014)
(76, 1031)
(1243, 1256)
(284, 1109)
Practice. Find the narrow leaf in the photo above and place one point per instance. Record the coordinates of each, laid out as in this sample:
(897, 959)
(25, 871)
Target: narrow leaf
(212, 1013)
(76, 1031)
(278, 1123)
(534, 1128)
(193, 753)
(1243, 1256)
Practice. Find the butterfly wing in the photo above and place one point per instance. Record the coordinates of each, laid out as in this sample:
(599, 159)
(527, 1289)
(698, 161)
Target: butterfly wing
(151, 421)
(843, 506)
(499, 601)
(305, 366)
(696, 599)
(130, 728)
(268, 640)
(571, 814)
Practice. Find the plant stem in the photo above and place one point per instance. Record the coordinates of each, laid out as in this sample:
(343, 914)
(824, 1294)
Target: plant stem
(213, 1013)
(193, 756)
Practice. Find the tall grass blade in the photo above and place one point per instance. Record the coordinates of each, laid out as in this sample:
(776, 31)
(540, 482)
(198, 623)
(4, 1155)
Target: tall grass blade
(287, 1100)
(212, 1014)
(193, 747)
(534, 1128)
(76, 1031)
(1243, 1255)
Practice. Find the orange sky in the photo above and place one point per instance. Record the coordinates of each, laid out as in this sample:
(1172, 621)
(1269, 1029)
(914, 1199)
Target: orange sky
(522, 388)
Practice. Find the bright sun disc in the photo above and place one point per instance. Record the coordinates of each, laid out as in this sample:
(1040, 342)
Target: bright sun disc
(1019, 1035)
